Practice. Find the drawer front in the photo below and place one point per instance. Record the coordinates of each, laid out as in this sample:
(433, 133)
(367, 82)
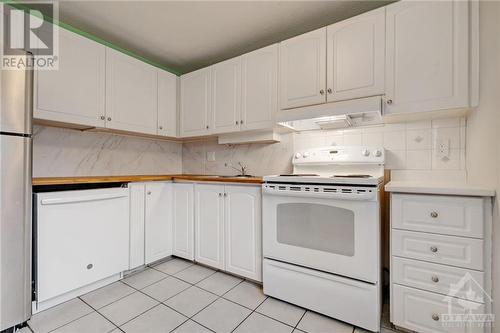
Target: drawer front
(438, 278)
(459, 216)
(448, 250)
(425, 312)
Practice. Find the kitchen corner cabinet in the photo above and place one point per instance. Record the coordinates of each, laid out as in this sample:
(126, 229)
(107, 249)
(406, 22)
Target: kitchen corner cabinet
(150, 222)
(195, 103)
(131, 94)
(259, 86)
(82, 237)
(427, 56)
(303, 70)
(167, 103)
(356, 56)
(226, 96)
(228, 228)
(75, 93)
(183, 220)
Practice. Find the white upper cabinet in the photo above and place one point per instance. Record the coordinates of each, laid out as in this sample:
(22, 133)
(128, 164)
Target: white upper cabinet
(427, 56)
(158, 221)
(302, 70)
(259, 88)
(167, 104)
(195, 108)
(75, 92)
(131, 94)
(226, 96)
(243, 225)
(209, 225)
(183, 223)
(356, 57)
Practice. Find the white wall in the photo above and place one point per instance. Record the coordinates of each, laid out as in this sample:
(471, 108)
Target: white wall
(62, 152)
(483, 128)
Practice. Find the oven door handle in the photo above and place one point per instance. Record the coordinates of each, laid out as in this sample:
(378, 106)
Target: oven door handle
(368, 196)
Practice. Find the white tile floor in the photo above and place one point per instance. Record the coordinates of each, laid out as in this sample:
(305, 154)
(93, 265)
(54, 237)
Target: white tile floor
(182, 297)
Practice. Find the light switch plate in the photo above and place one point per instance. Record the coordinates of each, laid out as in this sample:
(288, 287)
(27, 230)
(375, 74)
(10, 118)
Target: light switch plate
(210, 156)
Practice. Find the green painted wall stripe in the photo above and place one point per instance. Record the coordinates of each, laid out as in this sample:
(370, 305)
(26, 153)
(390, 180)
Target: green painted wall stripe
(94, 38)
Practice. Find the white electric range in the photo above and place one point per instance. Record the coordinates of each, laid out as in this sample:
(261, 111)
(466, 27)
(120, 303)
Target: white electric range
(321, 233)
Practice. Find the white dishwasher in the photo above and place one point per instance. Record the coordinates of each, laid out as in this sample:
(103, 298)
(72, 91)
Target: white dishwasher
(81, 237)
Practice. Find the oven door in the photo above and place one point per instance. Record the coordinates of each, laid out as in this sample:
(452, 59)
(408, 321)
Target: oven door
(328, 228)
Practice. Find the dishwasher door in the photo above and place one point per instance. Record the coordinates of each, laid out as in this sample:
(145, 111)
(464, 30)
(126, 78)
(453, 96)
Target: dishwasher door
(82, 237)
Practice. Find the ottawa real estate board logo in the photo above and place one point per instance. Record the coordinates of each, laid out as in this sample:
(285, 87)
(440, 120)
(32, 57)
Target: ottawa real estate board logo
(29, 39)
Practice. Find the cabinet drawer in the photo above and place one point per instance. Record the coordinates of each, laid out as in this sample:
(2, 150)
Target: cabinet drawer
(449, 250)
(459, 216)
(424, 312)
(437, 278)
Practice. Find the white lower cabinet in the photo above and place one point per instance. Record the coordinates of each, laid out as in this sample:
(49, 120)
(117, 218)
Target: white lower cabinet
(151, 219)
(228, 228)
(82, 237)
(183, 220)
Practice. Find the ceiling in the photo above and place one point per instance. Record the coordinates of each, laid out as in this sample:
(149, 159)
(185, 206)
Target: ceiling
(187, 35)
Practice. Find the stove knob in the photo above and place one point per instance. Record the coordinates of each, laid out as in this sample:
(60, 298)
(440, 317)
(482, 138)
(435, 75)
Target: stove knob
(377, 153)
(298, 155)
(305, 155)
(365, 152)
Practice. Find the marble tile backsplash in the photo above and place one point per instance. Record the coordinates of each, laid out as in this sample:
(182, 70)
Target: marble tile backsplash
(409, 146)
(63, 152)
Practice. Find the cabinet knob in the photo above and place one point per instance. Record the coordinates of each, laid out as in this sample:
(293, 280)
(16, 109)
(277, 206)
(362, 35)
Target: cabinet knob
(322, 92)
(237, 122)
(434, 215)
(435, 279)
(160, 127)
(389, 101)
(103, 118)
(329, 90)
(435, 317)
(109, 118)
(220, 194)
(434, 249)
(149, 192)
(241, 122)
(90, 266)
(225, 194)
(208, 127)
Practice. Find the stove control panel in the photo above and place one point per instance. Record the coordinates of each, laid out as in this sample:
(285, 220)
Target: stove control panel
(341, 155)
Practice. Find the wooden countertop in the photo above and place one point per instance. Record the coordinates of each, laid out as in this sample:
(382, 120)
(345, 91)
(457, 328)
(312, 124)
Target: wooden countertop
(142, 178)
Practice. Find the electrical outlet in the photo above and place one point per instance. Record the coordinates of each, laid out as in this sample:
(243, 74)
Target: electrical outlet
(443, 149)
(211, 156)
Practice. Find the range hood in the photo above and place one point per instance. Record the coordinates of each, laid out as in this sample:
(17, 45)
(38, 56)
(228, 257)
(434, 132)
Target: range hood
(343, 114)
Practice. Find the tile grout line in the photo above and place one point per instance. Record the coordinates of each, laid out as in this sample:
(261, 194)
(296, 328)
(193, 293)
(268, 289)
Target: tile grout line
(100, 314)
(302, 317)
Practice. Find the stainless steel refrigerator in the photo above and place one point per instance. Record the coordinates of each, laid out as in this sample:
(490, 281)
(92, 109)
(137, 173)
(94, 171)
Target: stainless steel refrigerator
(15, 195)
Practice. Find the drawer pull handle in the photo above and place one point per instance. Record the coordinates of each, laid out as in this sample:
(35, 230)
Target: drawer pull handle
(434, 249)
(435, 317)
(434, 215)
(435, 279)
(90, 266)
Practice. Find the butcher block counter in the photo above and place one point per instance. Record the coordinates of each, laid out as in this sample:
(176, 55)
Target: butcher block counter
(44, 181)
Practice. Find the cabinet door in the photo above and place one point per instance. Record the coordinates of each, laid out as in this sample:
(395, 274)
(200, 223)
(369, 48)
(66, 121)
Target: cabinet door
(243, 225)
(209, 224)
(137, 194)
(195, 109)
(426, 56)
(158, 221)
(82, 237)
(75, 92)
(167, 104)
(131, 94)
(183, 222)
(259, 88)
(356, 57)
(303, 70)
(226, 96)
